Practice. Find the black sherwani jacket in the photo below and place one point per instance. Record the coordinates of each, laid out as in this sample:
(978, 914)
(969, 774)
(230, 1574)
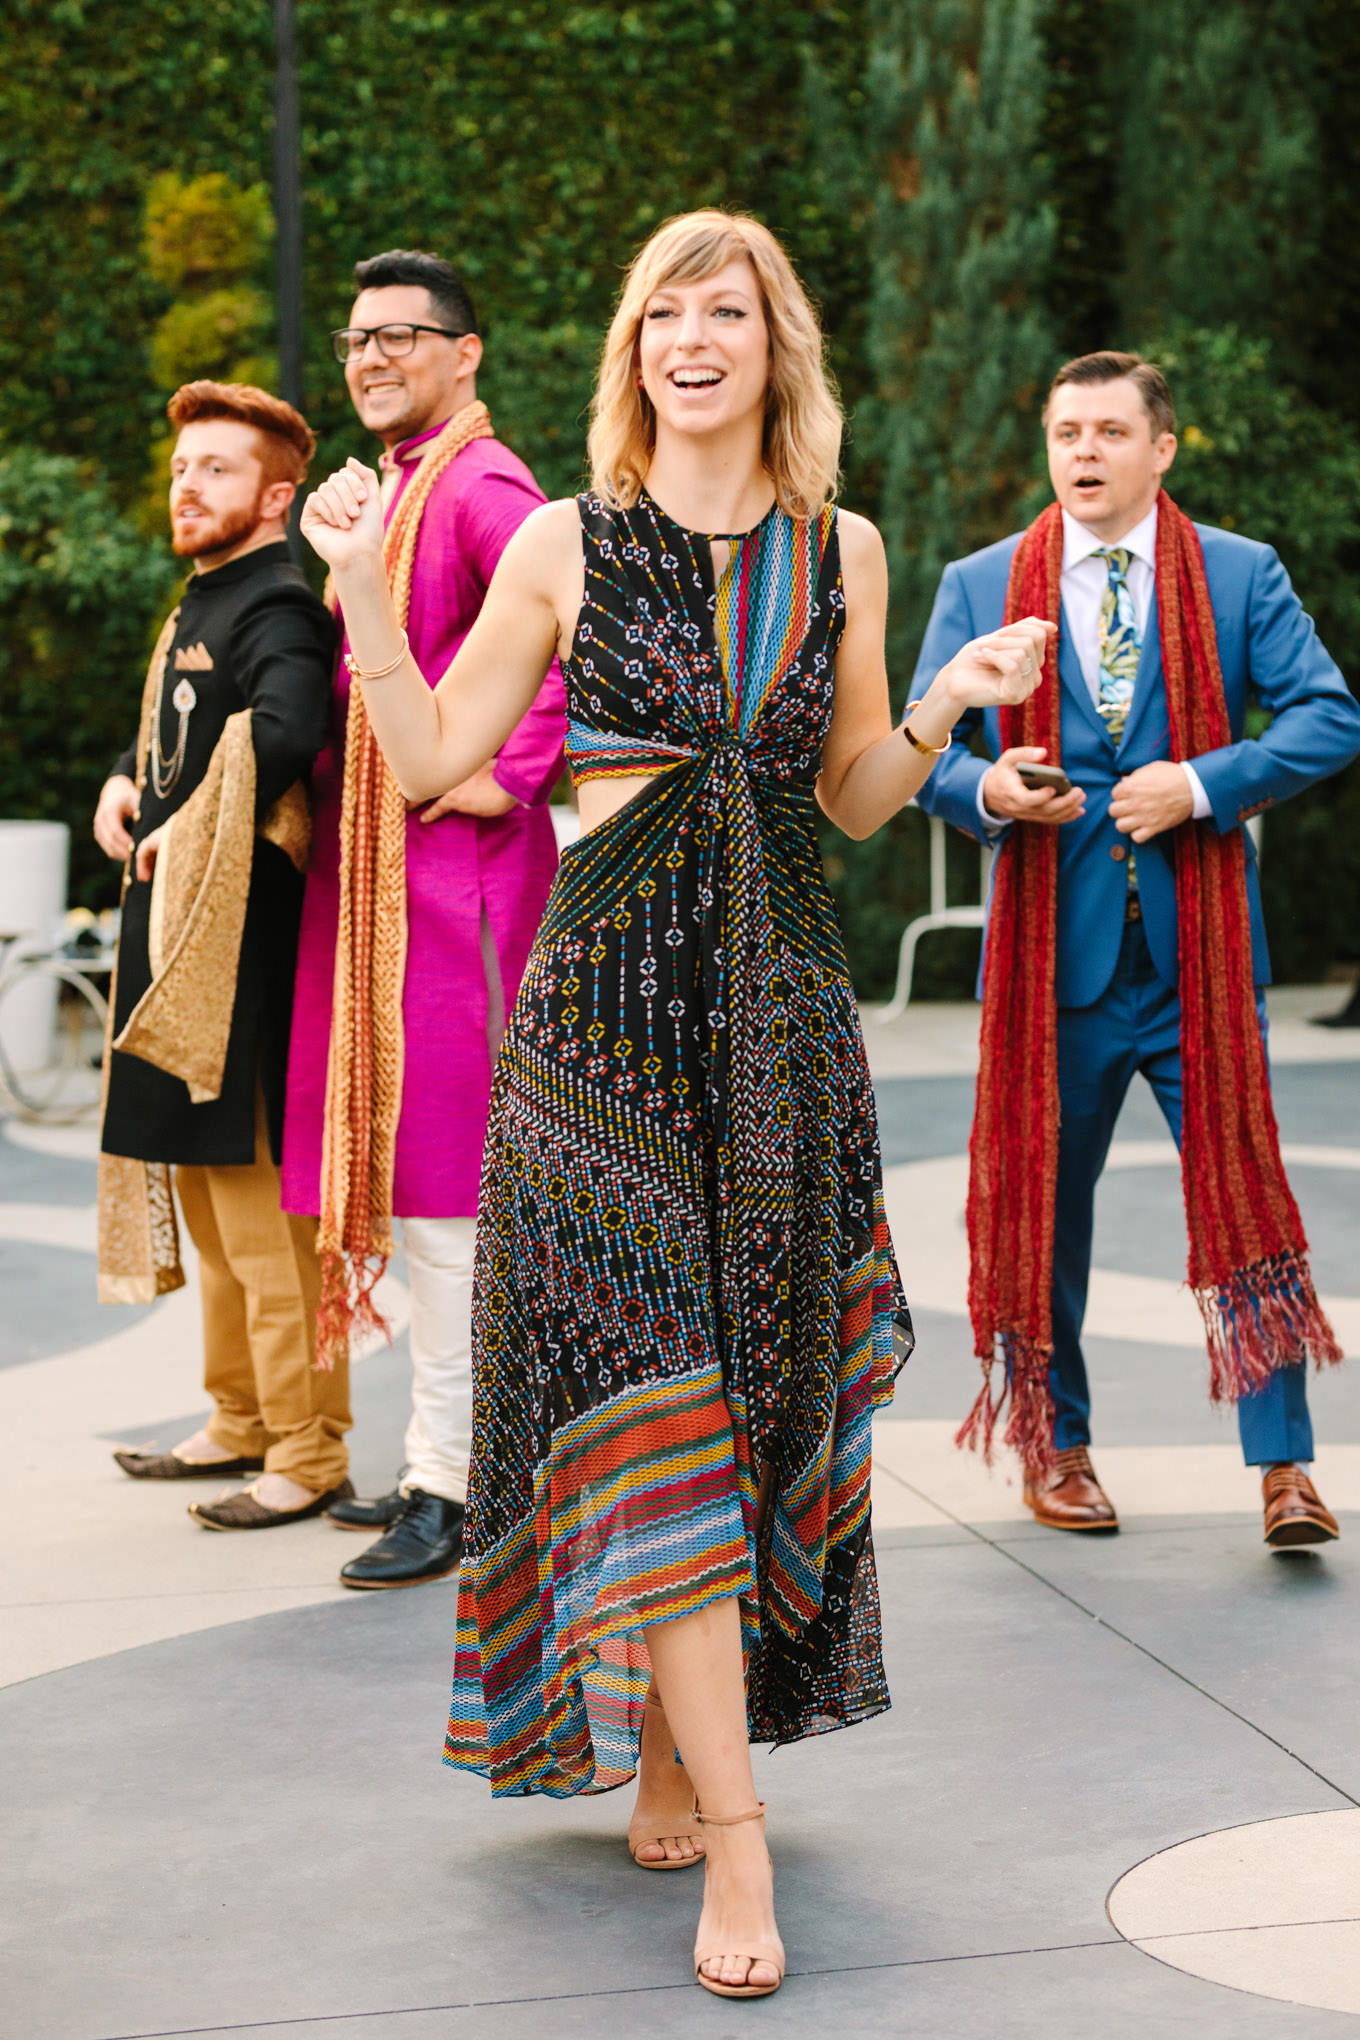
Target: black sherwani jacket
(251, 635)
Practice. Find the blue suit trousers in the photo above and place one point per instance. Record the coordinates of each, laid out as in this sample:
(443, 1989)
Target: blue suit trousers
(1133, 1026)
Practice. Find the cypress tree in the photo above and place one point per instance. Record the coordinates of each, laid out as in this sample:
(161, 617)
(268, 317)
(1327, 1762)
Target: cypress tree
(1332, 313)
(1077, 137)
(959, 340)
(1239, 465)
(958, 346)
(1220, 170)
(1238, 154)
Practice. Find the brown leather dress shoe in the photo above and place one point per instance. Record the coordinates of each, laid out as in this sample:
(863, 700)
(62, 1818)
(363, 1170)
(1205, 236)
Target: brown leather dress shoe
(168, 1466)
(1294, 1509)
(247, 1512)
(1071, 1498)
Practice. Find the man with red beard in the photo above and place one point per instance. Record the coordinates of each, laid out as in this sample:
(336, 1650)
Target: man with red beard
(208, 808)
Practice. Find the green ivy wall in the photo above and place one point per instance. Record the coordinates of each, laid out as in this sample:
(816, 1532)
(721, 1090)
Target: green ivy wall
(973, 189)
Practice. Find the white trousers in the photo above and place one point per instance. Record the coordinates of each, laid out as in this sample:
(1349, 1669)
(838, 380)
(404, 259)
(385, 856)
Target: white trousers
(439, 1256)
(439, 1253)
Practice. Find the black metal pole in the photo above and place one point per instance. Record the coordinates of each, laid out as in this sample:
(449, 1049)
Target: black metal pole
(287, 207)
(288, 227)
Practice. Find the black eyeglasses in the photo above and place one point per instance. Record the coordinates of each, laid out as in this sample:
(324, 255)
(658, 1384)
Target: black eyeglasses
(393, 341)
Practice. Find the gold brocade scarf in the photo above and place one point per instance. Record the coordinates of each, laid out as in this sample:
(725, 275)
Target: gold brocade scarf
(366, 1060)
(138, 1236)
(182, 1022)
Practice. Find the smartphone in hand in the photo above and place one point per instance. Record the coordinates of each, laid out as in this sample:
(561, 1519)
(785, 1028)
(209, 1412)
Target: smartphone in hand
(1037, 777)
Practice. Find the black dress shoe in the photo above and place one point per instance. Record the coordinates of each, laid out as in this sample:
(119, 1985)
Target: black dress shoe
(374, 1515)
(166, 1466)
(425, 1543)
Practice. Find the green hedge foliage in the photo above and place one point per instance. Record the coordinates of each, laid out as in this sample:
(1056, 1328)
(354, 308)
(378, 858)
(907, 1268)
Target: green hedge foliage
(1259, 458)
(79, 585)
(535, 144)
(973, 189)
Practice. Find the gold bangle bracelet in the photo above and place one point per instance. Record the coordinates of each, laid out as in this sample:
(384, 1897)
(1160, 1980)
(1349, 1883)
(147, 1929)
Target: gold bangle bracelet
(926, 750)
(378, 672)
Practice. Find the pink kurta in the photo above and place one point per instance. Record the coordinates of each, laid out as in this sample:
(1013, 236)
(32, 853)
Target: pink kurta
(457, 870)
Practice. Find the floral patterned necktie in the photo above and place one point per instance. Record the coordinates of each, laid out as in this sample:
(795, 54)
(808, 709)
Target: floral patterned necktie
(1120, 643)
(1120, 646)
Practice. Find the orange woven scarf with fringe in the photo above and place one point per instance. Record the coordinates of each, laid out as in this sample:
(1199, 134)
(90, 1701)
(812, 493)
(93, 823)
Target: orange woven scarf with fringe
(366, 1062)
(1248, 1257)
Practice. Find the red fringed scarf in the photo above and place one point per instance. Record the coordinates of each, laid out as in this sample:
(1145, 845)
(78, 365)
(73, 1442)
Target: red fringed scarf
(1248, 1259)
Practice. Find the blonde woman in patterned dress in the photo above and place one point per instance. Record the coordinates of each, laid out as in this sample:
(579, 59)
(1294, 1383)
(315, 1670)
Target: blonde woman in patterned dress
(687, 1304)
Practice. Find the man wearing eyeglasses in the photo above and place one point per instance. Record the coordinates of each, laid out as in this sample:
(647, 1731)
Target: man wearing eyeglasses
(416, 927)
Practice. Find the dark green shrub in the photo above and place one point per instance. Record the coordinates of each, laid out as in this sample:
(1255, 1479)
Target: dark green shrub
(1258, 458)
(81, 594)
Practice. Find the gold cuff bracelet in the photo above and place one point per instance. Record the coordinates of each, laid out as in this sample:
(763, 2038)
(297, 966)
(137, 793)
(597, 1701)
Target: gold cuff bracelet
(926, 750)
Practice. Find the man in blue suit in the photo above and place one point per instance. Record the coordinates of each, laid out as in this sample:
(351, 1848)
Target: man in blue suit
(1110, 428)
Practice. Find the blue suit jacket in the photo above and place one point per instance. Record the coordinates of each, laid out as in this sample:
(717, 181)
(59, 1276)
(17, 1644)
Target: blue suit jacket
(1266, 642)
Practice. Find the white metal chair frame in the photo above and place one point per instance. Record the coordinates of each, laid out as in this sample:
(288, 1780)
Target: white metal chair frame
(944, 916)
(941, 915)
(39, 1096)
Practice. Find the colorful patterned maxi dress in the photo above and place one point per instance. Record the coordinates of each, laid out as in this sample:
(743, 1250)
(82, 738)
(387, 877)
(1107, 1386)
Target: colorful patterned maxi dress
(686, 1301)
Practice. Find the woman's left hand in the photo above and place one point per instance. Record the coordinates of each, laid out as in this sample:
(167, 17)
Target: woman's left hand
(1001, 669)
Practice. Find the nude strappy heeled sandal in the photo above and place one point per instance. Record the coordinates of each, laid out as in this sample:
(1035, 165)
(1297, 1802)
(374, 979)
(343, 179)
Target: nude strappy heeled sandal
(755, 1951)
(640, 1833)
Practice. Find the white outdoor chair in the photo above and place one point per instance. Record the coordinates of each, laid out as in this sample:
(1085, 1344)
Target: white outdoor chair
(940, 916)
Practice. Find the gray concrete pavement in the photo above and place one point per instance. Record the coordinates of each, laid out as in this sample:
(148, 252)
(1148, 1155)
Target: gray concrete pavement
(223, 1802)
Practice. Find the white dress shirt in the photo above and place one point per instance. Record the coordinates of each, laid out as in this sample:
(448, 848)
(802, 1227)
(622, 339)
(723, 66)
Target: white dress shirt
(1085, 578)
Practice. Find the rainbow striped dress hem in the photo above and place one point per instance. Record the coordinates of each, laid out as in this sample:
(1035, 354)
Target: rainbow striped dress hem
(686, 1305)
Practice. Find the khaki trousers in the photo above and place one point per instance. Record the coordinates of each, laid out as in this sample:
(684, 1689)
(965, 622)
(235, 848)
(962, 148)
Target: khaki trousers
(261, 1285)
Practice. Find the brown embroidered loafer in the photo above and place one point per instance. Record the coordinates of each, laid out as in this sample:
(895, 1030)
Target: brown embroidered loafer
(1070, 1497)
(168, 1466)
(246, 1512)
(1294, 1510)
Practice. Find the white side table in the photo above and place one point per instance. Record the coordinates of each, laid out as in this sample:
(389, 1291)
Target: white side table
(33, 864)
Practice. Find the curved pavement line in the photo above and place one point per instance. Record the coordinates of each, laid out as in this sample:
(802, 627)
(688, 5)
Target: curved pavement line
(940, 1038)
(925, 1204)
(118, 1566)
(50, 1225)
(1271, 1908)
(77, 1143)
(922, 1480)
(94, 1563)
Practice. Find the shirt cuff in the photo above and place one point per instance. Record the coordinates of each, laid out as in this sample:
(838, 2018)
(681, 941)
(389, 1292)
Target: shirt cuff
(1200, 797)
(992, 825)
(512, 782)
